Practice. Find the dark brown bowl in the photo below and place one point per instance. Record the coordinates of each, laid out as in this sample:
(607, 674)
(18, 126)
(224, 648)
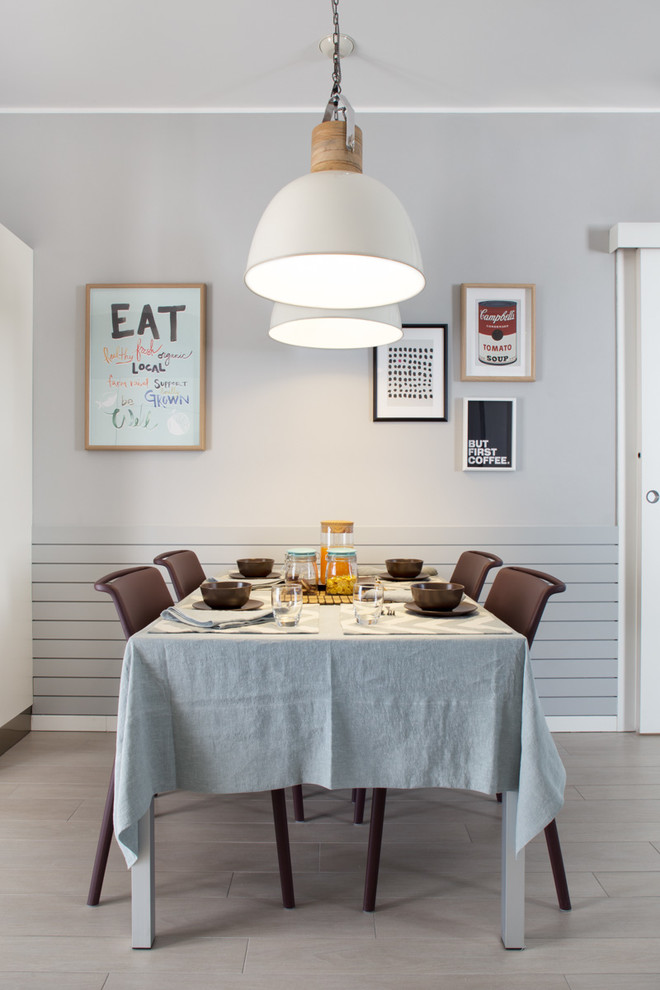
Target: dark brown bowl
(258, 567)
(226, 594)
(436, 596)
(404, 567)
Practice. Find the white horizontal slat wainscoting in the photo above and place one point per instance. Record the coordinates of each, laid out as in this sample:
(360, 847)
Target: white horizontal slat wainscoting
(78, 642)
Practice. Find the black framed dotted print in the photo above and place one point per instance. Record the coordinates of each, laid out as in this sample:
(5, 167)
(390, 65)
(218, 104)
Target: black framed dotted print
(410, 375)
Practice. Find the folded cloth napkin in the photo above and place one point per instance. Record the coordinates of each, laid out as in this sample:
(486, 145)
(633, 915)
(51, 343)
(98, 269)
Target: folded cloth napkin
(397, 591)
(404, 623)
(221, 617)
(177, 620)
(266, 582)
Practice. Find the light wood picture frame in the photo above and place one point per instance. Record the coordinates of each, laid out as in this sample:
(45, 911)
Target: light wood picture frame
(498, 332)
(145, 368)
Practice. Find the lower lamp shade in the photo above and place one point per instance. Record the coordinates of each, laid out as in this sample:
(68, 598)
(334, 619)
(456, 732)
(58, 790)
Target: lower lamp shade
(335, 328)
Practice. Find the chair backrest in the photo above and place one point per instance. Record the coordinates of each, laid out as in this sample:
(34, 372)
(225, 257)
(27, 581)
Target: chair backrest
(184, 569)
(140, 595)
(471, 569)
(518, 597)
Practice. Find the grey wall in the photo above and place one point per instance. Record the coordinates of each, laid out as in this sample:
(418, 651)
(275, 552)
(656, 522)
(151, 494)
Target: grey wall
(502, 198)
(508, 198)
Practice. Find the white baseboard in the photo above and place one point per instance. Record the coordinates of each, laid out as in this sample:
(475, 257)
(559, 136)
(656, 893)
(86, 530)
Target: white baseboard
(582, 723)
(108, 723)
(74, 723)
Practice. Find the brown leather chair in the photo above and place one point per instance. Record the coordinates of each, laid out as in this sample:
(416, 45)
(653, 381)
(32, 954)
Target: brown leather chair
(140, 595)
(518, 597)
(184, 569)
(471, 569)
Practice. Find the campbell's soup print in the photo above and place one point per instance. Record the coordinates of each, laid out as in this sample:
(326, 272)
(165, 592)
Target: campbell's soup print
(497, 331)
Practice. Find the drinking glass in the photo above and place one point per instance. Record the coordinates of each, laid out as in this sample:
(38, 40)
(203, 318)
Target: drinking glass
(287, 602)
(368, 598)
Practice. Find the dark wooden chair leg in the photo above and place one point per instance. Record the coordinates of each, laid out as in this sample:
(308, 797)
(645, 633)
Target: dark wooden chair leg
(373, 850)
(358, 811)
(283, 850)
(557, 864)
(298, 804)
(103, 845)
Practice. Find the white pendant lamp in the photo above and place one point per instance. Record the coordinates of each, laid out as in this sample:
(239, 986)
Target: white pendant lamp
(335, 328)
(335, 238)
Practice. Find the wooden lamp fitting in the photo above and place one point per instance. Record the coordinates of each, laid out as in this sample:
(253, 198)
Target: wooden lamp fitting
(329, 151)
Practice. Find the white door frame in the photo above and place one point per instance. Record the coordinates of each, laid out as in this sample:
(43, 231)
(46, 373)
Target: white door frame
(16, 287)
(634, 244)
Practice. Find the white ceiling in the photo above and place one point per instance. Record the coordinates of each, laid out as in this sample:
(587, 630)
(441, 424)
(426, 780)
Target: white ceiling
(252, 55)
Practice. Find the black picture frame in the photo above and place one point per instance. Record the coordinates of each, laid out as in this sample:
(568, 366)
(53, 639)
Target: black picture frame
(410, 380)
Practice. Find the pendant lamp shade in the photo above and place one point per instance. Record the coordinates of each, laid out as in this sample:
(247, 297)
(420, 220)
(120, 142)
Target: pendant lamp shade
(335, 328)
(335, 239)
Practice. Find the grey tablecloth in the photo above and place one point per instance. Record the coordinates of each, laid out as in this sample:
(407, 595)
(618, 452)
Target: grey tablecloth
(232, 713)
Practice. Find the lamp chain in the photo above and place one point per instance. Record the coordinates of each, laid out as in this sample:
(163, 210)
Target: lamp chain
(336, 60)
(338, 104)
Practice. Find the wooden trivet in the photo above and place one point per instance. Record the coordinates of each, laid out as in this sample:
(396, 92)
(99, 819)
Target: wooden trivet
(323, 598)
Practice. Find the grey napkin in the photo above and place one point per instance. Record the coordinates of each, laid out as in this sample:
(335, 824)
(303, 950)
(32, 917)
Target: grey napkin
(178, 615)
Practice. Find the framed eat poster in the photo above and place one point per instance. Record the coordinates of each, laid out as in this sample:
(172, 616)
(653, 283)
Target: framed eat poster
(145, 367)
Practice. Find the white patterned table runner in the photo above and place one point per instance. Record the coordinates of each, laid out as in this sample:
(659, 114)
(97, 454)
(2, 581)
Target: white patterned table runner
(405, 623)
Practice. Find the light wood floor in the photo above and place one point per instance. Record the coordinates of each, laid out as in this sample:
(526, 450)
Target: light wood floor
(220, 923)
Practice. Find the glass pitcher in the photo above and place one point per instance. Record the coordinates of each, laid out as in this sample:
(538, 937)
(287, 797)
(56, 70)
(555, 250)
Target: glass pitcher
(334, 533)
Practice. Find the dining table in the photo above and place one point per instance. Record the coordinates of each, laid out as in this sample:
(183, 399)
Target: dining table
(414, 701)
